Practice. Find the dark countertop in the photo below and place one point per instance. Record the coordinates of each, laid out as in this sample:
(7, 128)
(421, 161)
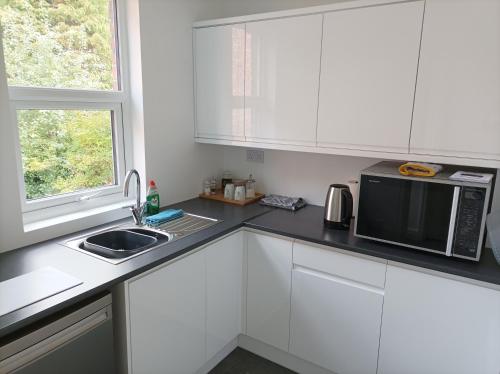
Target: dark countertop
(98, 275)
(306, 224)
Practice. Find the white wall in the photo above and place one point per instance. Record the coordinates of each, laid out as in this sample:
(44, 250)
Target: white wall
(305, 175)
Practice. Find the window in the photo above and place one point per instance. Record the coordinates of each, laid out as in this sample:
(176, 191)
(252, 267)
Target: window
(67, 88)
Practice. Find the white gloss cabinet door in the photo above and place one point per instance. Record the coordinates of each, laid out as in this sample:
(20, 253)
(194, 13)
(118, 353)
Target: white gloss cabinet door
(224, 261)
(368, 72)
(219, 55)
(335, 323)
(268, 289)
(435, 325)
(167, 318)
(282, 80)
(457, 111)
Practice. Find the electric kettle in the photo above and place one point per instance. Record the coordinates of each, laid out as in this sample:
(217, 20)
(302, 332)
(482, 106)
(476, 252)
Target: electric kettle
(338, 207)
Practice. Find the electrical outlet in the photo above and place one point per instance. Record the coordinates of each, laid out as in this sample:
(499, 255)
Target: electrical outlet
(255, 155)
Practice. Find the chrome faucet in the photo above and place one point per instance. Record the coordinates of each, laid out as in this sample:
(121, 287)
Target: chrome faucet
(138, 210)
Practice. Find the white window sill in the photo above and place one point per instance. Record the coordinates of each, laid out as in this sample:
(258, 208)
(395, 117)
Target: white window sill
(100, 215)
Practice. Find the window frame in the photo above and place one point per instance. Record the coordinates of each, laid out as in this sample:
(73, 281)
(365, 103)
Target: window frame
(82, 99)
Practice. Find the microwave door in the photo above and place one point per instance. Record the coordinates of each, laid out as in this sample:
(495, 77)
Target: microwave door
(382, 210)
(404, 211)
(417, 208)
(428, 222)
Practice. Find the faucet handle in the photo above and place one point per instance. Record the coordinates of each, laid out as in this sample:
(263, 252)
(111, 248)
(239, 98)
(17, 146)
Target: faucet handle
(138, 213)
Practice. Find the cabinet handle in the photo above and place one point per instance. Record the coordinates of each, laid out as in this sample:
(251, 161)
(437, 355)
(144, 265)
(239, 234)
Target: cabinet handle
(453, 219)
(338, 279)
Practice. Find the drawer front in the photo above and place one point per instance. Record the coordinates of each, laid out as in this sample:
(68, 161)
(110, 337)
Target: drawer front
(338, 264)
(335, 324)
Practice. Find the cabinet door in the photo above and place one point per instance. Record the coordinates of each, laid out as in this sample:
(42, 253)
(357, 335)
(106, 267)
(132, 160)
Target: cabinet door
(268, 289)
(335, 322)
(167, 318)
(219, 54)
(282, 80)
(224, 292)
(457, 111)
(435, 325)
(368, 71)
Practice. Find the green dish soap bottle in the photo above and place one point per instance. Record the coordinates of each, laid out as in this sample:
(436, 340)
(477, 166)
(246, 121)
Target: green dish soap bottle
(153, 199)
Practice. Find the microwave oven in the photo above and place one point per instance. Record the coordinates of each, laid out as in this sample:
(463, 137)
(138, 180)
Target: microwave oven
(433, 214)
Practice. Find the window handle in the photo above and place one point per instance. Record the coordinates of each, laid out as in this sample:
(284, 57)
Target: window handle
(88, 197)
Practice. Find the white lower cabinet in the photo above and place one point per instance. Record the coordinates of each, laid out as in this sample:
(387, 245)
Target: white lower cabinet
(224, 261)
(348, 314)
(335, 321)
(167, 318)
(182, 314)
(268, 289)
(435, 325)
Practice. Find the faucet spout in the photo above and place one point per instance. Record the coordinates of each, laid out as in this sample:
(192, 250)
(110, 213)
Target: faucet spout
(138, 210)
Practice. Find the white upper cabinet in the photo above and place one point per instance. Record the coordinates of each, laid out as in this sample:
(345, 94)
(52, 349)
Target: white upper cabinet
(368, 71)
(219, 54)
(282, 80)
(457, 110)
(435, 325)
(375, 78)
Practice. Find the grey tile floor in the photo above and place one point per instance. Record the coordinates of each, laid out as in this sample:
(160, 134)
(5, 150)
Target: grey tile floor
(240, 361)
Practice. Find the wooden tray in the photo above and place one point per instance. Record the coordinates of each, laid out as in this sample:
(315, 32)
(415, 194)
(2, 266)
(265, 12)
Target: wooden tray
(219, 196)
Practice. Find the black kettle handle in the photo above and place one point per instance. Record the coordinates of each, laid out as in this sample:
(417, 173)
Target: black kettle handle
(347, 195)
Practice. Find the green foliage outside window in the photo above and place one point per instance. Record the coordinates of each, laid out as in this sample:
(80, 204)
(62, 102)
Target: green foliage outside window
(65, 151)
(62, 44)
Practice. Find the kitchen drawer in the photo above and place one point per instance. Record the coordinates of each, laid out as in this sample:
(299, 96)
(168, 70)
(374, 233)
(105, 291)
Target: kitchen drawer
(338, 264)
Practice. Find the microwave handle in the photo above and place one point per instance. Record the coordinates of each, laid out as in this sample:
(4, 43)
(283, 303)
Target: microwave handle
(453, 220)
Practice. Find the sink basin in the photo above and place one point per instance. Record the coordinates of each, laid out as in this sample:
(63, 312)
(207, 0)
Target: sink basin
(120, 243)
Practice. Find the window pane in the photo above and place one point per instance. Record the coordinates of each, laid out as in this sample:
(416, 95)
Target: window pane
(65, 150)
(60, 43)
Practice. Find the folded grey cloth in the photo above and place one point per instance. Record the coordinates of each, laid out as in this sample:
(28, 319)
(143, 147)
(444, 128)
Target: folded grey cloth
(284, 202)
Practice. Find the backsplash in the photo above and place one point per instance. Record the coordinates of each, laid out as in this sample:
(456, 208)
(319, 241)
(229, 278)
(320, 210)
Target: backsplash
(296, 174)
(304, 175)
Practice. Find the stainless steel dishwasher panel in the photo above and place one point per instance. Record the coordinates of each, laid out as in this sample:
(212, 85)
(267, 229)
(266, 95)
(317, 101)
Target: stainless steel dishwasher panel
(80, 342)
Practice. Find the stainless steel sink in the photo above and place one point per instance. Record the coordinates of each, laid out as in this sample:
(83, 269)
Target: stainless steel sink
(121, 243)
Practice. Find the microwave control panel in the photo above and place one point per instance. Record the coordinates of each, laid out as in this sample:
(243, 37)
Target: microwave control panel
(468, 226)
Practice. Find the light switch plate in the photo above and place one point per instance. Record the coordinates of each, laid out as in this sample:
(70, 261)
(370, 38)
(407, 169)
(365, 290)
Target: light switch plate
(255, 155)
